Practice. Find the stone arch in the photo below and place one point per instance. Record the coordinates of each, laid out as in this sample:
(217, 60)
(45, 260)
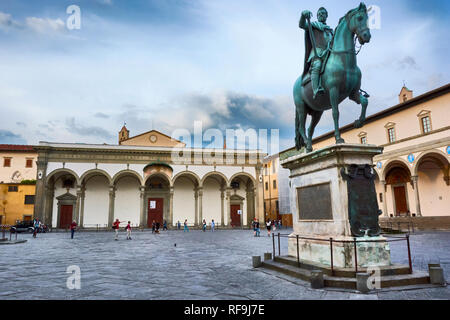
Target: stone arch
(436, 155)
(236, 175)
(64, 170)
(393, 163)
(127, 172)
(93, 172)
(211, 173)
(195, 178)
(161, 174)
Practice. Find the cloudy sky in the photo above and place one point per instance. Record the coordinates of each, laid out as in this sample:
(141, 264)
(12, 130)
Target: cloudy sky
(163, 64)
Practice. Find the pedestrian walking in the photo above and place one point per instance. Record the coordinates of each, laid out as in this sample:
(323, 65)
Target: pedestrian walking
(164, 225)
(186, 229)
(204, 225)
(153, 226)
(274, 225)
(258, 230)
(254, 227)
(115, 226)
(128, 229)
(179, 225)
(212, 225)
(36, 227)
(73, 226)
(157, 225)
(268, 226)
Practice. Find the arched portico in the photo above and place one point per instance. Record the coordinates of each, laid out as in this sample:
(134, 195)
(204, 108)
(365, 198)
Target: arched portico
(62, 198)
(397, 178)
(241, 197)
(431, 183)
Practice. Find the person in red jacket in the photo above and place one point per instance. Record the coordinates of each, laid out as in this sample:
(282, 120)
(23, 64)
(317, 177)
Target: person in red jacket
(73, 227)
(128, 228)
(116, 229)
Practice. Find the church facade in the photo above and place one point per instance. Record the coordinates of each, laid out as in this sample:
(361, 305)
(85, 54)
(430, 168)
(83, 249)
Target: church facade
(146, 178)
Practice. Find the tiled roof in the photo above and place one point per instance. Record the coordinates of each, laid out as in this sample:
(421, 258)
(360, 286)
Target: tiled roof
(16, 147)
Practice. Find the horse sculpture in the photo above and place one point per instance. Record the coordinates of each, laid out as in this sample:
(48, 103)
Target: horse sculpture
(341, 78)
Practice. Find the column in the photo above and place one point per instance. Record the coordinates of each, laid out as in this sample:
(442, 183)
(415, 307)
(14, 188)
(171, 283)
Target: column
(83, 194)
(416, 194)
(48, 205)
(200, 207)
(142, 221)
(259, 206)
(228, 197)
(41, 182)
(78, 204)
(112, 196)
(196, 204)
(169, 223)
(250, 205)
(222, 211)
(383, 186)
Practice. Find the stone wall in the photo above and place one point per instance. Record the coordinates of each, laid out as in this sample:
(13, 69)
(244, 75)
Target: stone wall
(419, 223)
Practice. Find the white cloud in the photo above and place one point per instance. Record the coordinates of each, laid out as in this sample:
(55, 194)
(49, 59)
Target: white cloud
(45, 25)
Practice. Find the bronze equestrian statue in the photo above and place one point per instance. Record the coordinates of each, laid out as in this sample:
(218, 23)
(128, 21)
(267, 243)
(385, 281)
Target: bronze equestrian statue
(330, 72)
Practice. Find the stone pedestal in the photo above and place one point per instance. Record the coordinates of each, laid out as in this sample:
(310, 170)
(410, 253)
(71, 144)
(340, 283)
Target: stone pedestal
(320, 207)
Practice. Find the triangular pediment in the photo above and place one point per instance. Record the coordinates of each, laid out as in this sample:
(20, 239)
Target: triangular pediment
(67, 196)
(152, 138)
(423, 113)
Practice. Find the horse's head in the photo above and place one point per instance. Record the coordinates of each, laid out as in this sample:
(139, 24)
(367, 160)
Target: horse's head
(357, 23)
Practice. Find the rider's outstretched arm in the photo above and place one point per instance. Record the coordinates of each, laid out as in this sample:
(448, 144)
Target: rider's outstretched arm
(303, 24)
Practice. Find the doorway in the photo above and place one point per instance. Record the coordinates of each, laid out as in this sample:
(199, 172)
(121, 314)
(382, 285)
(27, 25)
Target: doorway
(235, 217)
(401, 204)
(65, 218)
(155, 210)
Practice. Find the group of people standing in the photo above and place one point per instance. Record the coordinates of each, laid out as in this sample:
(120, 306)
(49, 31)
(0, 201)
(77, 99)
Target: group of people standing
(271, 225)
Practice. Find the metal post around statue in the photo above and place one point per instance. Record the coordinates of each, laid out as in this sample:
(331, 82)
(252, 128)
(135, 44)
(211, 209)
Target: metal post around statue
(356, 255)
(298, 254)
(273, 242)
(331, 256)
(279, 246)
(409, 254)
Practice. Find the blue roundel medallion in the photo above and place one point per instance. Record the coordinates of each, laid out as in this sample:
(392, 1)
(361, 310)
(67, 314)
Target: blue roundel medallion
(411, 158)
(379, 165)
(448, 150)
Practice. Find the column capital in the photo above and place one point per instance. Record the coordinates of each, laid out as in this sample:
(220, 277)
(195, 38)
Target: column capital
(414, 178)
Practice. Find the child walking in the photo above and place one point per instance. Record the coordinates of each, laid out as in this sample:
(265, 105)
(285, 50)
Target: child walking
(128, 228)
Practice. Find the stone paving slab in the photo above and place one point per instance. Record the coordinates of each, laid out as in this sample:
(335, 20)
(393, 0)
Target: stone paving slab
(202, 265)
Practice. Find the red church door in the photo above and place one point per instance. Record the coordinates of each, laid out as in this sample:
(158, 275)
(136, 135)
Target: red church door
(400, 200)
(155, 211)
(235, 217)
(65, 216)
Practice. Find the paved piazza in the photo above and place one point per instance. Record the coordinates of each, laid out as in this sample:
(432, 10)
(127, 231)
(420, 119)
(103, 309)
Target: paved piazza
(201, 266)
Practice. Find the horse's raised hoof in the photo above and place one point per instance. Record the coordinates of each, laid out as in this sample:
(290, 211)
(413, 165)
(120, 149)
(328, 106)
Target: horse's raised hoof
(339, 141)
(358, 124)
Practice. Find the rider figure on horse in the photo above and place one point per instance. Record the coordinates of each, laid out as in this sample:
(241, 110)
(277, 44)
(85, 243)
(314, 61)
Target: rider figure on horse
(316, 45)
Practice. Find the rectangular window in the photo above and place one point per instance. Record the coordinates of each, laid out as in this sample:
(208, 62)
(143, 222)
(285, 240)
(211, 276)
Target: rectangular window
(13, 188)
(7, 162)
(364, 140)
(29, 163)
(426, 124)
(274, 184)
(381, 197)
(29, 199)
(391, 134)
(267, 186)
